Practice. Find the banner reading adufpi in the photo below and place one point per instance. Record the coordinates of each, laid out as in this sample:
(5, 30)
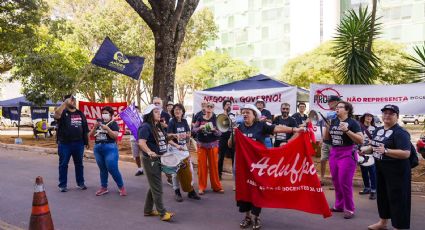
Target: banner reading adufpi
(410, 98)
(92, 112)
(283, 177)
(273, 97)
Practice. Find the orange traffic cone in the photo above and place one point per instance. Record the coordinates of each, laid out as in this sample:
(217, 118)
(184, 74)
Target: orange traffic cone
(40, 215)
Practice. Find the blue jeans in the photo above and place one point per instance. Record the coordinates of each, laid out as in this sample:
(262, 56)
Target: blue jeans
(65, 151)
(107, 159)
(369, 177)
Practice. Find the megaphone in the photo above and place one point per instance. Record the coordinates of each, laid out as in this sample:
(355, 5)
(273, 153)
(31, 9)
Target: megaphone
(224, 123)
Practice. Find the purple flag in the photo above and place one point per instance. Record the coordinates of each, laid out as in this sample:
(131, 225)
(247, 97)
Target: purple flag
(131, 118)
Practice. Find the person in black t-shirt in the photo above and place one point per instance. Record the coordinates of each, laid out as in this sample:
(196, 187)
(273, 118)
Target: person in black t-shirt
(223, 148)
(266, 116)
(165, 118)
(257, 130)
(286, 120)
(153, 143)
(106, 151)
(300, 116)
(72, 137)
(344, 132)
(179, 131)
(391, 148)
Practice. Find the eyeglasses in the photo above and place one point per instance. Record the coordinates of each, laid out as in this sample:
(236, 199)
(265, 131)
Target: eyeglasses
(285, 108)
(340, 107)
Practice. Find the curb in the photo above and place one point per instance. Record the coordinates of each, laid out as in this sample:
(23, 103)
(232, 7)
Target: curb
(357, 182)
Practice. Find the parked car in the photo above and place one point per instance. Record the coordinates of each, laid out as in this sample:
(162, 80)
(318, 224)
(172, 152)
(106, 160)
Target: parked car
(415, 119)
(420, 145)
(25, 121)
(5, 122)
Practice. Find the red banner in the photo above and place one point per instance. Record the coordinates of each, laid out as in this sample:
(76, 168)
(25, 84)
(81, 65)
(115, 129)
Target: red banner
(283, 177)
(92, 112)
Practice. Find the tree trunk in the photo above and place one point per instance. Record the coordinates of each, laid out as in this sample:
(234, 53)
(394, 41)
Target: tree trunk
(372, 27)
(165, 66)
(138, 93)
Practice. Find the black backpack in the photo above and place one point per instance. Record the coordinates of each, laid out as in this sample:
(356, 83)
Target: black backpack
(413, 158)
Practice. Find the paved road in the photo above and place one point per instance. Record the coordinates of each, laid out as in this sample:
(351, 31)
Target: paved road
(83, 210)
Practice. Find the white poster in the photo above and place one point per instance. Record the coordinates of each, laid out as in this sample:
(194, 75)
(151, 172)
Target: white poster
(410, 98)
(273, 98)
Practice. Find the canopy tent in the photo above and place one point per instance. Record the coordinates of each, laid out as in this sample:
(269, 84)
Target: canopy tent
(260, 81)
(15, 105)
(250, 89)
(22, 101)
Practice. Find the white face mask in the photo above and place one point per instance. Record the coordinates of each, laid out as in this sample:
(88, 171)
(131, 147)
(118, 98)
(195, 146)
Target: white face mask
(106, 117)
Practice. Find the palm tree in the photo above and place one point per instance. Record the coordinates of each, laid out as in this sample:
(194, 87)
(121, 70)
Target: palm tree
(418, 67)
(357, 62)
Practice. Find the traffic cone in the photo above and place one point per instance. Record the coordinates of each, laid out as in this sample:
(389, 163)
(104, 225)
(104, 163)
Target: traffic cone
(40, 215)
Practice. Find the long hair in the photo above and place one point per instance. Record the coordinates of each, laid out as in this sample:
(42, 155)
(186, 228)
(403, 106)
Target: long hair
(148, 118)
(362, 118)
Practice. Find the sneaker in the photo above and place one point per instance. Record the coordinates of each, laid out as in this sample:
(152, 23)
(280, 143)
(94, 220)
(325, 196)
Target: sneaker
(257, 223)
(372, 196)
(178, 196)
(123, 192)
(82, 187)
(63, 189)
(348, 215)
(152, 213)
(193, 195)
(139, 173)
(245, 223)
(102, 191)
(364, 192)
(336, 210)
(167, 216)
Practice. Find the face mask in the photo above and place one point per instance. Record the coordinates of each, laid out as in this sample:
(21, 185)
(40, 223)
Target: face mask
(106, 117)
(331, 115)
(71, 107)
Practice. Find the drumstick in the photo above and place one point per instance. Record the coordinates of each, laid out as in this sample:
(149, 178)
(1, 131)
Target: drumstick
(324, 118)
(113, 119)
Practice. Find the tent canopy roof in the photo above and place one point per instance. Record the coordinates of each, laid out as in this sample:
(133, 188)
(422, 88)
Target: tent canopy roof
(260, 81)
(22, 101)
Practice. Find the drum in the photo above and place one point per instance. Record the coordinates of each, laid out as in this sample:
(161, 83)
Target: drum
(185, 175)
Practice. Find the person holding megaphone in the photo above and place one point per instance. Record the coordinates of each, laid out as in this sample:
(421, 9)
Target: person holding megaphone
(257, 130)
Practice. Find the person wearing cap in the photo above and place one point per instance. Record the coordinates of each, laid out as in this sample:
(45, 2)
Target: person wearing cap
(344, 133)
(105, 132)
(72, 136)
(286, 120)
(223, 148)
(208, 135)
(135, 150)
(153, 143)
(391, 148)
(300, 116)
(367, 125)
(266, 116)
(326, 144)
(170, 105)
(257, 130)
(179, 131)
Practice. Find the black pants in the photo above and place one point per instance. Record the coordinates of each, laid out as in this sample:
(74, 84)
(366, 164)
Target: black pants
(394, 191)
(248, 206)
(223, 150)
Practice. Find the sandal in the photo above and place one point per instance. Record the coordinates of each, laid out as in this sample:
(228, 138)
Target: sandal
(245, 223)
(167, 216)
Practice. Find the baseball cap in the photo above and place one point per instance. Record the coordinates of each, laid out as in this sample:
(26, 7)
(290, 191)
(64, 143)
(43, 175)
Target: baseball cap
(333, 98)
(170, 103)
(393, 108)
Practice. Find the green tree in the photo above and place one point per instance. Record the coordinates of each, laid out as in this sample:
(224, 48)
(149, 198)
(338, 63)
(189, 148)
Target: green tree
(209, 70)
(318, 65)
(19, 20)
(168, 21)
(357, 63)
(417, 67)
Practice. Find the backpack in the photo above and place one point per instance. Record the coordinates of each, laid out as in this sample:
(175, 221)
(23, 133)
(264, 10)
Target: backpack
(413, 158)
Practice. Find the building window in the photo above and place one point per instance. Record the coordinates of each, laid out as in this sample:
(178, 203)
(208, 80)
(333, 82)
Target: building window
(231, 21)
(406, 12)
(272, 14)
(265, 33)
